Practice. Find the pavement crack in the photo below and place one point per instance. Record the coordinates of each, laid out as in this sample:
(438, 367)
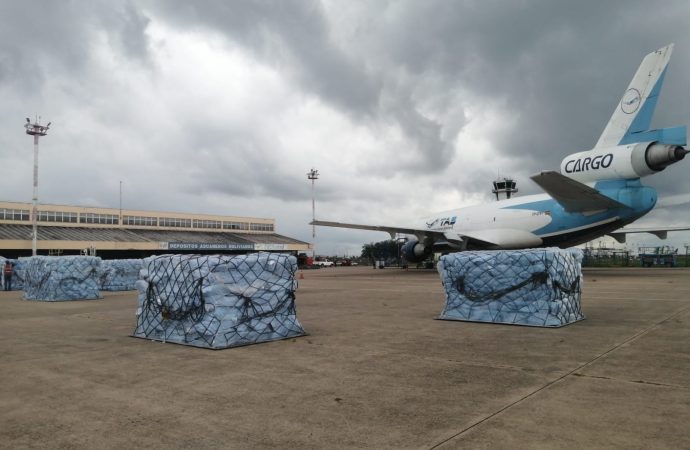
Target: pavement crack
(578, 369)
(652, 383)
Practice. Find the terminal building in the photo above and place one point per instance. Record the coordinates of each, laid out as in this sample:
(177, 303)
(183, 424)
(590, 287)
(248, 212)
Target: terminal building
(113, 233)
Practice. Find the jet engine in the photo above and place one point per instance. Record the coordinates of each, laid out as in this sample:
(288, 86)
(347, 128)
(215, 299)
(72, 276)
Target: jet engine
(413, 251)
(621, 162)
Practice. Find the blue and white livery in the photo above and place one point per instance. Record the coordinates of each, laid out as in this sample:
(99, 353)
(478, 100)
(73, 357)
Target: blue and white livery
(596, 192)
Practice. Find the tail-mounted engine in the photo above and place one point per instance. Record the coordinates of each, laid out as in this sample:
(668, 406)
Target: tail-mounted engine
(621, 162)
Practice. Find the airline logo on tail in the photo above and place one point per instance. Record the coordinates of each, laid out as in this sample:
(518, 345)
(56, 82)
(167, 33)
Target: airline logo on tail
(631, 101)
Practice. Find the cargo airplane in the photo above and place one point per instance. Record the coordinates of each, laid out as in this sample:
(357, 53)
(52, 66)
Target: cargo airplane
(596, 192)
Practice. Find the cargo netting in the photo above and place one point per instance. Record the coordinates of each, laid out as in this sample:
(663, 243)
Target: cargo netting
(61, 278)
(218, 301)
(119, 274)
(537, 287)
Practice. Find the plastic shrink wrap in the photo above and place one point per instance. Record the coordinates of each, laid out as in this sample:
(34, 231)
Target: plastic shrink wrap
(538, 287)
(119, 274)
(60, 278)
(218, 301)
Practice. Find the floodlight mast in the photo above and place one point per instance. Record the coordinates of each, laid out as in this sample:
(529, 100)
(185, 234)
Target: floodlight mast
(313, 175)
(36, 130)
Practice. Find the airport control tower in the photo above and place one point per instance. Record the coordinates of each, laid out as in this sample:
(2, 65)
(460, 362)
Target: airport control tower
(504, 188)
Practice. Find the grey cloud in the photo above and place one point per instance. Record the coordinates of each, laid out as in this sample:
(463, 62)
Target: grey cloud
(238, 163)
(537, 57)
(39, 41)
(127, 27)
(294, 36)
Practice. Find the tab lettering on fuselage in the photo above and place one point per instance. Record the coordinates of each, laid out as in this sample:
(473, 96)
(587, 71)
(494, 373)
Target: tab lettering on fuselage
(442, 223)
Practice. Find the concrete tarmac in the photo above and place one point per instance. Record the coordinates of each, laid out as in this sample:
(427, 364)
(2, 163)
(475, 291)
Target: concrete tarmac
(376, 371)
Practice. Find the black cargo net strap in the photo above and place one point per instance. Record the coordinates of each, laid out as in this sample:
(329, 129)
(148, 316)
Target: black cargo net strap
(536, 287)
(119, 274)
(534, 280)
(187, 301)
(54, 278)
(218, 301)
(177, 310)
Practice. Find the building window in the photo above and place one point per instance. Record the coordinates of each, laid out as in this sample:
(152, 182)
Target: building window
(262, 227)
(235, 226)
(214, 224)
(175, 222)
(46, 216)
(14, 214)
(57, 216)
(140, 221)
(103, 219)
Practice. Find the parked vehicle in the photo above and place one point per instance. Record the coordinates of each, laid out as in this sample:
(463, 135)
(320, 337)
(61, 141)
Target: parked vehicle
(324, 263)
(657, 256)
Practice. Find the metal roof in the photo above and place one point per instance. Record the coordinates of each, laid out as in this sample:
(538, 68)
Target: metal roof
(53, 233)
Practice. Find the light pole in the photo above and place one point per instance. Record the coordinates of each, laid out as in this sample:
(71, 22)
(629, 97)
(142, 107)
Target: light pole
(313, 175)
(36, 130)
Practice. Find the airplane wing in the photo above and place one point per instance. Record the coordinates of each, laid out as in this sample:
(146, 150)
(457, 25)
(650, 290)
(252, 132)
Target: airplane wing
(493, 238)
(573, 195)
(660, 232)
(419, 233)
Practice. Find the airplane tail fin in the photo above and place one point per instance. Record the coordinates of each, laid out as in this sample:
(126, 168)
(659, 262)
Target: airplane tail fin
(635, 110)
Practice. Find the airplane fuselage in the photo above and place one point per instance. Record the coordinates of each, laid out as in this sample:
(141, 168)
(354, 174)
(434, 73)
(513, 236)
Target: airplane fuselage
(543, 217)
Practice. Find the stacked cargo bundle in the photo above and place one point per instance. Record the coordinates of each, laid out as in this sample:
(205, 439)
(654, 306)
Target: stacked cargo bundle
(218, 301)
(538, 287)
(119, 274)
(19, 274)
(61, 278)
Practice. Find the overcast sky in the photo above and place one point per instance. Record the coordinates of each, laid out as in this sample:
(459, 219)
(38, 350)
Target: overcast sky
(404, 107)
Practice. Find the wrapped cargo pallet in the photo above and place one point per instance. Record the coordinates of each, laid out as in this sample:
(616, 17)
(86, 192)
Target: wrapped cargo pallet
(537, 287)
(19, 274)
(119, 274)
(218, 301)
(61, 278)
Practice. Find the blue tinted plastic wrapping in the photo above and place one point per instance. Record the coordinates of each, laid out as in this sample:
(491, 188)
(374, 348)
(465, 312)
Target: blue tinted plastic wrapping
(60, 278)
(119, 274)
(19, 274)
(537, 287)
(218, 301)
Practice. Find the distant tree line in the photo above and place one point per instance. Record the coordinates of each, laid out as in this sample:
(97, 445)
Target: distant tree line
(381, 250)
